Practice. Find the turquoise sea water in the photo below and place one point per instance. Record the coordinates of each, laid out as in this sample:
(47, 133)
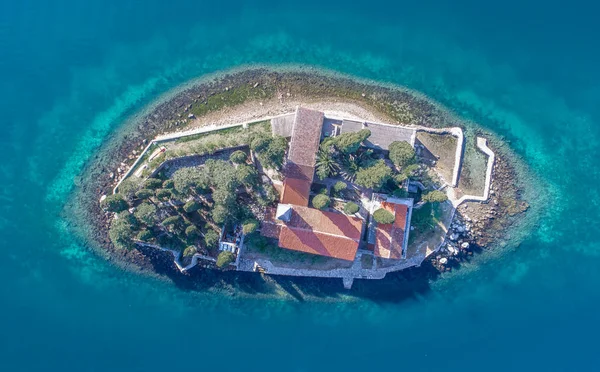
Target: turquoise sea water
(71, 72)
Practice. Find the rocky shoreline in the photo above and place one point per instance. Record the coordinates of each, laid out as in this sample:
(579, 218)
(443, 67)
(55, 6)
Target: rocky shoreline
(261, 92)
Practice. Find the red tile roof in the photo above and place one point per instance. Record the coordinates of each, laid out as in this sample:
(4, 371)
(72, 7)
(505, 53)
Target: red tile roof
(389, 238)
(324, 233)
(318, 243)
(295, 192)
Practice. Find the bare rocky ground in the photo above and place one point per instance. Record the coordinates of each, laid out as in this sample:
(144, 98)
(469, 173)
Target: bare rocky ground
(263, 93)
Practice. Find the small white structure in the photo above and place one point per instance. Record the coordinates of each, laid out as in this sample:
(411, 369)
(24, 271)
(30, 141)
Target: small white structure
(284, 212)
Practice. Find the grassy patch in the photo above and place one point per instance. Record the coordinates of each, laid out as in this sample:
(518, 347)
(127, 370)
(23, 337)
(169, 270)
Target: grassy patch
(231, 97)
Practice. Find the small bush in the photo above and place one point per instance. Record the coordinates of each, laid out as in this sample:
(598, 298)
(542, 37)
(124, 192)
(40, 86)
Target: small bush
(351, 208)
(191, 206)
(383, 216)
(225, 258)
(114, 203)
(189, 251)
(249, 226)
(435, 196)
(339, 187)
(238, 157)
(321, 201)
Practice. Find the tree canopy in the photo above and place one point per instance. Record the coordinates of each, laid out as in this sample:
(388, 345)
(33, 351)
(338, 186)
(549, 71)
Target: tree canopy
(211, 238)
(144, 194)
(114, 203)
(383, 216)
(146, 213)
(351, 208)
(191, 206)
(435, 196)
(186, 180)
(153, 183)
(121, 231)
(225, 258)
(321, 201)
(374, 176)
(249, 226)
(349, 143)
(401, 153)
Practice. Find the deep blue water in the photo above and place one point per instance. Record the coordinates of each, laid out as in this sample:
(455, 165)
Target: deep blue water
(72, 71)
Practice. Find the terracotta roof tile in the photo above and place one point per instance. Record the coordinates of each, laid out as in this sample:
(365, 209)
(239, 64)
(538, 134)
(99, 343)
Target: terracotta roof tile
(295, 191)
(318, 243)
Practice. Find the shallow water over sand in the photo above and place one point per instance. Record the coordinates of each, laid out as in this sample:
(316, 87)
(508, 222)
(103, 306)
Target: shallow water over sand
(72, 74)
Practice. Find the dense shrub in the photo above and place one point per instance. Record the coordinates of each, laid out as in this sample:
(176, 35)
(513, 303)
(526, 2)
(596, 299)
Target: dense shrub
(339, 186)
(435, 196)
(189, 252)
(321, 201)
(191, 206)
(238, 157)
(225, 258)
(383, 216)
(219, 214)
(400, 193)
(351, 208)
(401, 153)
(168, 184)
(114, 203)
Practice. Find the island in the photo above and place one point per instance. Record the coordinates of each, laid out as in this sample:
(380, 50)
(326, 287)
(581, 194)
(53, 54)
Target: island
(314, 182)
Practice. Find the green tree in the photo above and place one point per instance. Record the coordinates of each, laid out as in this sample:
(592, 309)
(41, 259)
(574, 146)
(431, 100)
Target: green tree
(168, 184)
(163, 194)
(349, 143)
(146, 213)
(374, 176)
(238, 157)
(225, 258)
(247, 175)
(259, 143)
(273, 154)
(351, 208)
(219, 214)
(401, 153)
(191, 206)
(224, 197)
(249, 226)
(326, 164)
(211, 239)
(114, 203)
(321, 201)
(172, 221)
(435, 196)
(145, 235)
(192, 232)
(189, 252)
(153, 183)
(383, 216)
(144, 194)
(121, 231)
(188, 180)
(128, 187)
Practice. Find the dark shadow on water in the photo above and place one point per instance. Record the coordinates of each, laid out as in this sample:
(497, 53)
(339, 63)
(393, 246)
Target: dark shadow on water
(397, 287)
